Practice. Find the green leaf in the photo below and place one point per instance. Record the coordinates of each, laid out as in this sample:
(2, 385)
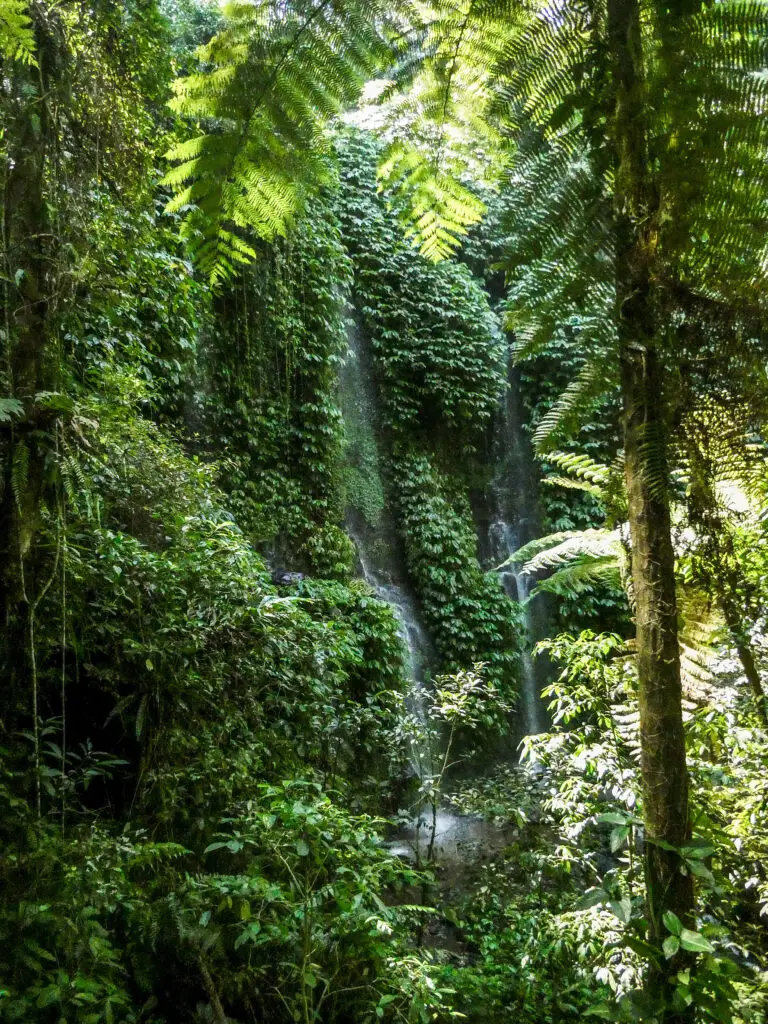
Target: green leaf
(697, 849)
(301, 848)
(603, 1010)
(641, 947)
(622, 909)
(701, 871)
(9, 408)
(671, 946)
(591, 898)
(673, 922)
(214, 846)
(695, 942)
(618, 837)
(613, 818)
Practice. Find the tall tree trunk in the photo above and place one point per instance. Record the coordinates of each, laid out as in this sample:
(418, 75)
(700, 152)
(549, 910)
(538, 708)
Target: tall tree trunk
(25, 441)
(663, 763)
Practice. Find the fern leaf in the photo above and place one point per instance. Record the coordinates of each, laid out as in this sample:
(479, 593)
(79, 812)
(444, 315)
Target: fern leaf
(17, 37)
(275, 79)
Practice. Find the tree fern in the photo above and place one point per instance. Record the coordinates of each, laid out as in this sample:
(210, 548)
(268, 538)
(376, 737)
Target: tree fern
(568, 411)
(586, 470)
(578, 560)
(441, 137)
(582, 574)
(272, 80)
(17, 37)
(438, 208)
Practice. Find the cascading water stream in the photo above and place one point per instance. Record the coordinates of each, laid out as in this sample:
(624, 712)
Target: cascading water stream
(514, 520)
(369, 525)
(432, 828)
(416, 646)
(503, 543)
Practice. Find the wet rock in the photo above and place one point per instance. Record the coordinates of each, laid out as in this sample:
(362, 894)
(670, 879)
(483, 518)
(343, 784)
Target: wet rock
(286, 579)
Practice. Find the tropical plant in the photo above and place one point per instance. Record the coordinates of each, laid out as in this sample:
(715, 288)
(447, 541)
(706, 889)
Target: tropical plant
(17, 39)
(272, 79)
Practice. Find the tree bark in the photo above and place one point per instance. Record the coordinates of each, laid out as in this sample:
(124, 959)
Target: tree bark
(29, 367)
(662, 738)
(664, 772)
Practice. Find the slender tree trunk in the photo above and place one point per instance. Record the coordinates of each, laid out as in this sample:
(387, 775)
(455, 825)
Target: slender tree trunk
(663, 763)
(28, 367)
(739, 635)
(25, 240)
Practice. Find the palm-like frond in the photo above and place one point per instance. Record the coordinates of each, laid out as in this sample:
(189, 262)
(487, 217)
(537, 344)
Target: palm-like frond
(588, 473)
(581, 574)
(575, 559)
(439, 207)
(598, 545)
(17, 37)
(437, 120)
(568, 411)
(273, 79)
(700, 622)
(712, 143)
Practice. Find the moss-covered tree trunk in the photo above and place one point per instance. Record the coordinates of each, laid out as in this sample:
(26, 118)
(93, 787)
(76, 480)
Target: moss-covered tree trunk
(25, 243)
(29, 369)
(663, 763)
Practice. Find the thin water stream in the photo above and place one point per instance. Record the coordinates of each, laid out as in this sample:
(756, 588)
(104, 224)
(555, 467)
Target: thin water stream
(503, 543)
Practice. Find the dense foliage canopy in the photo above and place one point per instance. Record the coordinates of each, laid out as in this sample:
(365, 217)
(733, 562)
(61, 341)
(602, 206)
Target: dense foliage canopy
(383, 510)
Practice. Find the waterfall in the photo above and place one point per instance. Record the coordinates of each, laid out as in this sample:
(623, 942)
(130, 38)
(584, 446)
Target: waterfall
(369, 523)
(417, 649)
(503, 542)
(514, 521)
(432, 828)
(381, 564)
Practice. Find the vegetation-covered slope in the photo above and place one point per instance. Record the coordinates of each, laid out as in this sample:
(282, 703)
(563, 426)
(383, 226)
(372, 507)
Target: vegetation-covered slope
(256, 448)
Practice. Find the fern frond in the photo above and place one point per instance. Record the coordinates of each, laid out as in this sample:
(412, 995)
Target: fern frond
(10, 409)
(591, 383)
(20, 474)
(532, 548)
(439, 209)
(17, 36)
(437, 120)
(582, 574)
(596, 544)
(276, 77)
(573, 485)
(626, 718)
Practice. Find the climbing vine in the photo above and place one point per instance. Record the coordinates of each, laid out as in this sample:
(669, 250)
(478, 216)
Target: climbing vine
(438, 363)
(437, 346)
(271, 400)
(471, 618)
